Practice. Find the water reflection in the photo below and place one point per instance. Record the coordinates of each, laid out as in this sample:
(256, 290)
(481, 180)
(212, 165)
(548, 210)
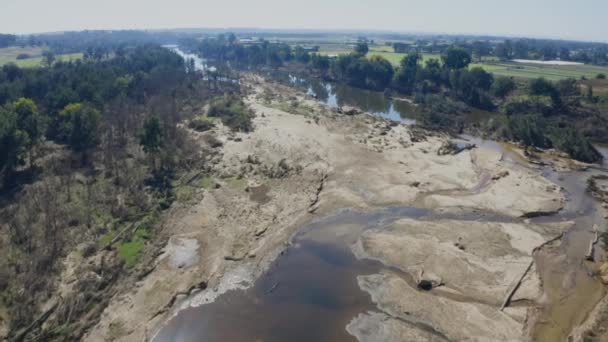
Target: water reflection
(340, 95)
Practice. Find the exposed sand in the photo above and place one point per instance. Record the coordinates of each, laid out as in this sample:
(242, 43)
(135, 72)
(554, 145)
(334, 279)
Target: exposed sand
(311, 162)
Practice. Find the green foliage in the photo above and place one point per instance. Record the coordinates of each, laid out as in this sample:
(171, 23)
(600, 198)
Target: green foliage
(471, 87)
(232, 111)
(130, 251)
(525, 104)
(542, 87)
(301, 55)
(576, 145)
(30, 120)
(567, 87)
(13, 140)
(371, 73)
(201, 123)
(151, 138)
(440, 111)
(79, 125)
(456, 58)
(206, 182)
(361, 48)
(601, 76)
(503, 86)
(320, 62)
(405, 78)
(530, 130)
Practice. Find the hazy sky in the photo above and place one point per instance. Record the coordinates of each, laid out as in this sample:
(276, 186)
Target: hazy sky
(582, 19)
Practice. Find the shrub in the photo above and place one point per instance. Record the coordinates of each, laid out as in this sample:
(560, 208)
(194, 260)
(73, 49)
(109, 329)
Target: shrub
(23, 56)
(530, 130)
(577, 146)
(601, 76)
(528, 104)
(201, 124)
(232, 111)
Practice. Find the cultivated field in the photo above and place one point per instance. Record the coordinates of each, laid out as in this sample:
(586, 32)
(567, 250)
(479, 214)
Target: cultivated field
(334, 46)
(9, 55)
(550, 72)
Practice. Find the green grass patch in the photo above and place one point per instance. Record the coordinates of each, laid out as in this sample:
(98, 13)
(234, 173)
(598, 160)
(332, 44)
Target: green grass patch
(202, 123)
(130, 251)
(105, 239)
(236, 183)
(550, 72)
(36, 61)
(184, 193)
(206, 182)
(232, 111)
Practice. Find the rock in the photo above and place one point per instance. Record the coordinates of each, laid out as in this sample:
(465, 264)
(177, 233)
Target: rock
(451, 148)
(415, 184)
(348, 110)
(500, 175)
(261, 231)
(252, 159)
(425, 285)
(428, 281)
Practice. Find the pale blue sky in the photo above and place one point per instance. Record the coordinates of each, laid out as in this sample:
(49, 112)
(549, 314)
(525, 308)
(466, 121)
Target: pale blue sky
(582, 19)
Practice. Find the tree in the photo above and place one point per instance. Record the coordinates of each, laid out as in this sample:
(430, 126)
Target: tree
(48, 58)
(590, 93)
(151, 137)
(481, 49)
(7, 40)
(361, 48)
(320, 62)
(503, 86)
(79, 127)
(379, 73)
(406, 75)
(301, 55)
(480, 78)
(455, 58)
(30, 121)
(542, 87)
(13, 142)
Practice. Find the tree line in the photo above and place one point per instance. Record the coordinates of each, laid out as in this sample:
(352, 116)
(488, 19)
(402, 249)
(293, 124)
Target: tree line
(450, 77)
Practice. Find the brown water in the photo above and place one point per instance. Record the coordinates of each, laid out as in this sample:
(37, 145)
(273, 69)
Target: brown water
(310, 293)
(571, 289)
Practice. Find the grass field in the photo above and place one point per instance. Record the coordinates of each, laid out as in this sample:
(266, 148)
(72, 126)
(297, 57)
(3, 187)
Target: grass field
(9, 55)
(550, 72)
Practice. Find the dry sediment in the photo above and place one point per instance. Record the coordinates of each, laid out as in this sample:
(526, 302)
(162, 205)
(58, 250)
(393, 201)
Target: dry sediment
(316, 161)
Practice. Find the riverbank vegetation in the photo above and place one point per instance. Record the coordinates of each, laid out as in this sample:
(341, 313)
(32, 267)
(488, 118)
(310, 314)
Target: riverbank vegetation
(91, 152)
(564, 114)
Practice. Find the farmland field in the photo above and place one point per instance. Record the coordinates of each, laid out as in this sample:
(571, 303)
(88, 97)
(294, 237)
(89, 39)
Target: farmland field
(550, 72)
(9, 55)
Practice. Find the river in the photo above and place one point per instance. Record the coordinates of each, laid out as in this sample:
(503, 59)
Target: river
(310, 292)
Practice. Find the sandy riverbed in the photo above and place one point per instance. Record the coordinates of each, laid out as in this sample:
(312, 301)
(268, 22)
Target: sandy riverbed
(303, 162)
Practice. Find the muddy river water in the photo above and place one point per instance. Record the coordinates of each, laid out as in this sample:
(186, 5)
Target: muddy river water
(310, 292)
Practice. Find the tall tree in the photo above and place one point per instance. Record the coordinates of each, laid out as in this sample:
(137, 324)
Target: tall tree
(361, 48)
(456, 58)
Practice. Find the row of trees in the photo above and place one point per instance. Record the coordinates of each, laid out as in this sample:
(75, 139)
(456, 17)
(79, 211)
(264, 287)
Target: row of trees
(594, 53)
(7, 40)
(451, 76)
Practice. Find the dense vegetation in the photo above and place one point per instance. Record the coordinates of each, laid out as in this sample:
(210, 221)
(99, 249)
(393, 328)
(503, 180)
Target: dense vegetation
(91, 153)
(7, 40)
(539, 113)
